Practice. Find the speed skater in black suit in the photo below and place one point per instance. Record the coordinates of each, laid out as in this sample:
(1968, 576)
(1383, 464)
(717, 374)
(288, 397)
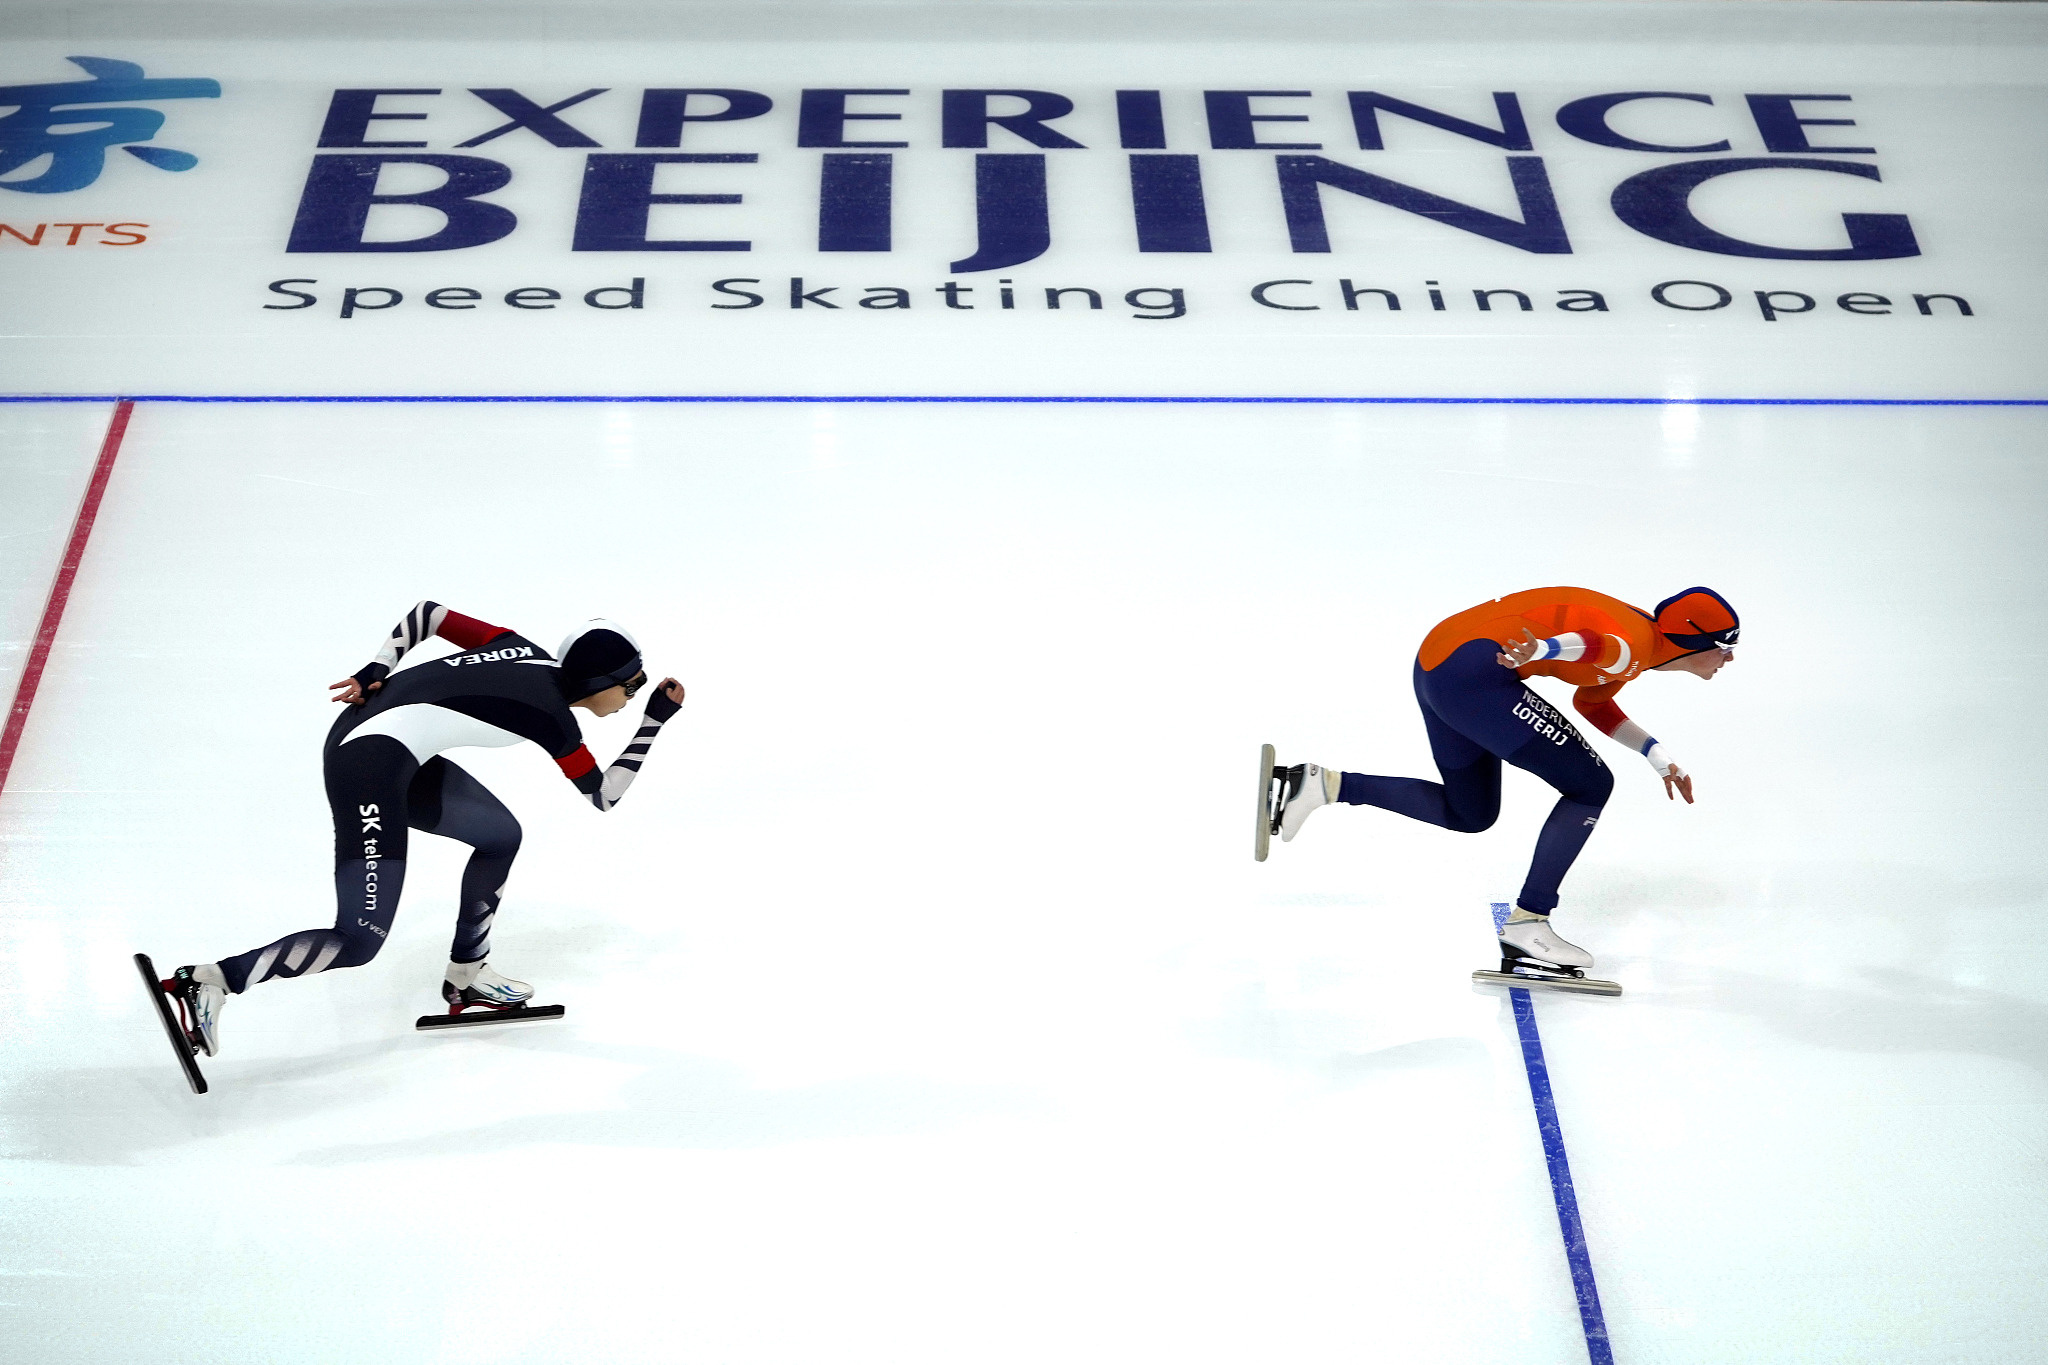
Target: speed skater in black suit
(386, 776)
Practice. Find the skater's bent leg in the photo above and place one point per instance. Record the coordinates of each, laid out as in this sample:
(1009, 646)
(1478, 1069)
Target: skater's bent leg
(300, 954)
(366, 894)
(446, 800)
(1468, 798)
(366, 787)
(1583, 783)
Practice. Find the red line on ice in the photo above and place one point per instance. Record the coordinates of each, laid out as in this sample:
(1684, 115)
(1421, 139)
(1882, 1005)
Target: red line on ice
(60, 591)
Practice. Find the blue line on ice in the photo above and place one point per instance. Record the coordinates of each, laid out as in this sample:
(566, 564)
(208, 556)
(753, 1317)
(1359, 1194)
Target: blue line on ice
(1022, 398)
(1561, 1190)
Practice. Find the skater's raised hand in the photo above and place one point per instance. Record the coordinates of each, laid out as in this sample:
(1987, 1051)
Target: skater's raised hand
(1521, 651)
(666, 701)
(1677, 780)
(351, 691)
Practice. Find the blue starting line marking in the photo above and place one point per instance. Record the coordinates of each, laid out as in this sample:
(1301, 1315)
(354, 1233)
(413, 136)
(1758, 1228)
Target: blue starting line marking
(1385, 400)
(1561, 1190)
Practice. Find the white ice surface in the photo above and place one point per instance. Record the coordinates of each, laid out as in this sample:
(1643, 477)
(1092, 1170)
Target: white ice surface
(925, 1004)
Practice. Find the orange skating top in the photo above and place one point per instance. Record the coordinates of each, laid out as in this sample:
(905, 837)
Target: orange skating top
(1622, 640)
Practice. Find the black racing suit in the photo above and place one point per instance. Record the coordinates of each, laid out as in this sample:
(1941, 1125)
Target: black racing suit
(385, 777)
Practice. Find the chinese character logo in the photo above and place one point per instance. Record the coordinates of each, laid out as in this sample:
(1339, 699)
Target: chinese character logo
(63, 121)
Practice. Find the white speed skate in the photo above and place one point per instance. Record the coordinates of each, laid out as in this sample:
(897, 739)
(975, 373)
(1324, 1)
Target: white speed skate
(200, 993)
(475, 983)
(497, 999)
(1531, 954)
(1287, 796)
(1534, 938)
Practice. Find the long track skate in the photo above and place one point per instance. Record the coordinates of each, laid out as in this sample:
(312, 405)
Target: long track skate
(487, 1013)
(1276, 787)
(182, 1041)
(1517, 968)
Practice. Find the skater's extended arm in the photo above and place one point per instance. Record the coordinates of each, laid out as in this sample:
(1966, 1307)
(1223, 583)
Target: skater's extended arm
(604, 789)
(1608, 653)
(425, 618)
(1596, 704)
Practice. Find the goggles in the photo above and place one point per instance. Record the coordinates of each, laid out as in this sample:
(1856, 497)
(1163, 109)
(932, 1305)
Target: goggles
(632, 682)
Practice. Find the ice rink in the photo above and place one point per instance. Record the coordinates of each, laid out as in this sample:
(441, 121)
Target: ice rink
(925, 1004)
(923, 992)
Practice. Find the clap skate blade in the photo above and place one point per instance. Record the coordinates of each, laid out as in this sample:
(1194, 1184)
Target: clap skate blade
(182, 1041)
(1268, 819)
(488, 1014)
(1519, 969)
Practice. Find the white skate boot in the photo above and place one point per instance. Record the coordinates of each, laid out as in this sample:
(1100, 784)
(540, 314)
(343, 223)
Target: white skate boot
(1531, 954)
(1530, 936)
(200, 991)
(1287, 795)
(1308, 786)
(474, 983)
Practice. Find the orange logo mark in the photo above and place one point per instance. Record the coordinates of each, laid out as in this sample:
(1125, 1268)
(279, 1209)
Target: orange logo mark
(109, 232)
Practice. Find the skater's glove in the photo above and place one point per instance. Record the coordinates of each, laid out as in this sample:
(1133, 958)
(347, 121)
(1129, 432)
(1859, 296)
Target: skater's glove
(357, 687)
(666, 700)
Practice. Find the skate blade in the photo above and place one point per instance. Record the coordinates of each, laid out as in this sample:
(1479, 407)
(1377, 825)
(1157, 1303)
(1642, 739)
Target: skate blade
(173, 1030)
(1264, 840)
(476, 1018)
(1576, 985)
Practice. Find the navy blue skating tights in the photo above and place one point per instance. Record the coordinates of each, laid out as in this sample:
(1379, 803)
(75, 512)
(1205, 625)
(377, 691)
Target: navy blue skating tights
(379, 793)
(1478, 715)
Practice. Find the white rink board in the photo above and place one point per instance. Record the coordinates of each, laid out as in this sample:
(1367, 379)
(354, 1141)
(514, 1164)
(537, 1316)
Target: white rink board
(1950, 108)
(925, 1005)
